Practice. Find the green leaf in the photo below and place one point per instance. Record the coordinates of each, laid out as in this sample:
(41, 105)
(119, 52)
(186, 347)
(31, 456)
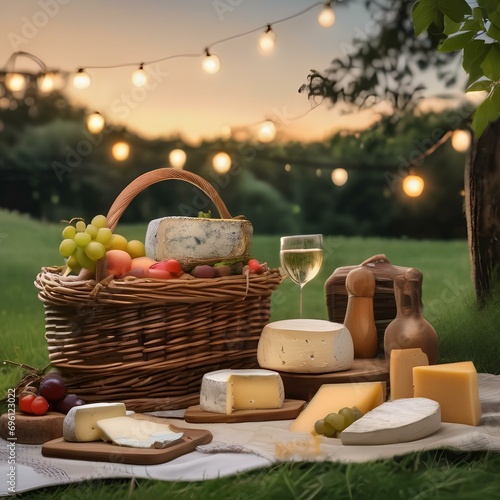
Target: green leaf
(494, 32)
(424, 12)
(456, 41)
(474, 53)
(450, 26)
(485, 113)
(479, 85)
(495, 98)
(491, 63)
(456, 10)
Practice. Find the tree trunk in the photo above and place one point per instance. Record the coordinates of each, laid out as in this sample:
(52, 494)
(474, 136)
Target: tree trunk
(482, 207)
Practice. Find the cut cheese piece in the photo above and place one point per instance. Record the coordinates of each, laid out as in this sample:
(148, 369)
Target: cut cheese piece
(330, 398)
(80, 422)
(400, 421)
(137, 433)
(305, 346)
(401, 371)
(225, 391)
(198, 238)
(454, 386)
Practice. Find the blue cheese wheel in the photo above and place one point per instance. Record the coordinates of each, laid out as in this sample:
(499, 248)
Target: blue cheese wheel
(198, 238)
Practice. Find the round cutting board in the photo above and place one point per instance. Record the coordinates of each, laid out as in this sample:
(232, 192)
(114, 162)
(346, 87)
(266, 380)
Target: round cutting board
(305, 385)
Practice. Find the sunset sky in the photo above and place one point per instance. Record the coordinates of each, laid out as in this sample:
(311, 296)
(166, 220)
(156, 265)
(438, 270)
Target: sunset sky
(181, 98)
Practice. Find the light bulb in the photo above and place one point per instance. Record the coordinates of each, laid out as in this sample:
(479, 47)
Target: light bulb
(95, 123)
(267, 41)
(339, 176)
(210, 63)
(221, 162)
(460, 140)
(120, 151)
(139, 77)
(267, 132)
(413, 185)
(81, 80)
(177, 158)
(326, 17)
(15, 82)
(46, 82)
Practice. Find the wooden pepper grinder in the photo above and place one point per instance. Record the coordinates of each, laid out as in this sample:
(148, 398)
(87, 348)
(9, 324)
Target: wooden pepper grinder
(359, 318)
(409, 329)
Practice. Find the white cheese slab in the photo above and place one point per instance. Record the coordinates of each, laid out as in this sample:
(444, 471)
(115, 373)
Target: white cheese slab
(399, 421)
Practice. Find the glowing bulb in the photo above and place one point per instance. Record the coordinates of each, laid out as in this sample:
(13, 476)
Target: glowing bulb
(221, 162)
(120, 151)
(139, 77)
(326, 17)
(177, 158)
(226, 132)
(95, 123)
(267, 132)
(413, 185)
(339, 176)
(267, 41)
(81, 80)
(46, 82)
(210, 63)
(288, 167)
(460, 140)
(15, 82)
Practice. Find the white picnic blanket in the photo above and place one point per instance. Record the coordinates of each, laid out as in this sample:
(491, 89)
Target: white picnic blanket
(241, 447)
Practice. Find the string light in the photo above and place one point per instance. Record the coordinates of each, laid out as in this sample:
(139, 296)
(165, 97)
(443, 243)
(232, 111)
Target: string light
(413, 185)
(460, 140)
(120, 151)
(15, 82)
(267, 41)
(210, 63)
(177, 158)
(267, 131)
(81, 80)
(221, 162)
(339, 176)
(139, 76)
(95, 123)
(326, 17)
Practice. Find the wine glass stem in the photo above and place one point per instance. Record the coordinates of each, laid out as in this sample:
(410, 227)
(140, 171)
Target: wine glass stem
(300, 299)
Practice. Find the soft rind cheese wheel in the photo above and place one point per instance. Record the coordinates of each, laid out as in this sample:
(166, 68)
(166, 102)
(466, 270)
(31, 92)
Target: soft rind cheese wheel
(399, 421)
(80, 423)
(225, 391)
(305, 346)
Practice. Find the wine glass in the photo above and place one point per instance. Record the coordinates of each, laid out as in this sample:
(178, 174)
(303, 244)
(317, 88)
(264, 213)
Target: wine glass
(301, 258)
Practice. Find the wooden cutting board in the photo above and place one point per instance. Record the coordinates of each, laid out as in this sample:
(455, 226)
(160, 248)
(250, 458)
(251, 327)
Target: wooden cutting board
(99, 451)
(33, 429)
(305, 385)
(290, 409)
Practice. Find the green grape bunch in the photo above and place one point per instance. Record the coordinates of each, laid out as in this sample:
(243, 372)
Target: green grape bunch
(84, 244)
(334, 423)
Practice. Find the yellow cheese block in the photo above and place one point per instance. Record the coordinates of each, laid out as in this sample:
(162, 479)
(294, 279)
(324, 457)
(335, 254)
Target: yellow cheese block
(401, 371)
(330, 398)
(454, 386)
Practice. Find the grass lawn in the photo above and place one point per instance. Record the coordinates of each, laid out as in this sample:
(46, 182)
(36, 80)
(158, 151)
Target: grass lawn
(464, 333)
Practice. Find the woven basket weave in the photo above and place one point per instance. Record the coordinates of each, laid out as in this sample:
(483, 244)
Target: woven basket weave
(148, 342)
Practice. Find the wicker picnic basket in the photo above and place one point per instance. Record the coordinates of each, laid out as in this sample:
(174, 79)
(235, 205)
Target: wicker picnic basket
(148, 342)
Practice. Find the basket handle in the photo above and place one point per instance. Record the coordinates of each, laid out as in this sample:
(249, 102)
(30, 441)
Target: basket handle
(376, 258)
(162, 174)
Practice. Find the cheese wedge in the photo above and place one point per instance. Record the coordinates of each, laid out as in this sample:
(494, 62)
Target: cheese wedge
(330, 398)
(225, 391)
(401, 371)
(80, 423)
(400, 421)
(305, 346)
(137, 433)
(454, 386)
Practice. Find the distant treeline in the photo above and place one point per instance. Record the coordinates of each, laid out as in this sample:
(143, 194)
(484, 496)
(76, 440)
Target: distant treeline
(52, 168)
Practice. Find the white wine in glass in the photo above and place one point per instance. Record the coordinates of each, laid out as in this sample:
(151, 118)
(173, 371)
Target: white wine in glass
(301, 258)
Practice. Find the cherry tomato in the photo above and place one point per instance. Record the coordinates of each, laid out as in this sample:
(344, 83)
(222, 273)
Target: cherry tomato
(39, 406)
(254, 266)
(171, 265)
(25, 403)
